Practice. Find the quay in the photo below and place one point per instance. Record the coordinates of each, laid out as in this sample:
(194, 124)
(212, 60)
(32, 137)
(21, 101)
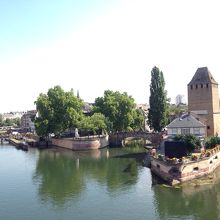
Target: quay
(176, 171)
(82, 143)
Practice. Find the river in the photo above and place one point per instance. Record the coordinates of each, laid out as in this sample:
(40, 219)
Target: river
(107, 184)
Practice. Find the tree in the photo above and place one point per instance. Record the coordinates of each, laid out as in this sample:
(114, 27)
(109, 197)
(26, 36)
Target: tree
(192, 142)
(175, 111)
(1, 120)
(157, 116)
(57, 111)
(138, 120)
(93, 124)
(118, 108)
(212, 142)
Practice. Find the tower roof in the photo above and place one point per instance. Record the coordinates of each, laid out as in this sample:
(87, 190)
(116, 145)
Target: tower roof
(202, 76)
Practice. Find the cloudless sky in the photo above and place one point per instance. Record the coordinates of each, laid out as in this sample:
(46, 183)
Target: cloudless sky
(94, 45)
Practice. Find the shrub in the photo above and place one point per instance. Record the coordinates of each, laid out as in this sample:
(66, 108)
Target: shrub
(192, 142)
(212, 142)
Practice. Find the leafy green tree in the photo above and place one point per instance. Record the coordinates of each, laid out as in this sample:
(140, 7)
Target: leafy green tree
(1, 120)
(157, 116)
(175, 111)
(212, 142)
(57, 111)
(17, 122)
(94, 124)
(192, 142)
(118, 108)
(138, 120)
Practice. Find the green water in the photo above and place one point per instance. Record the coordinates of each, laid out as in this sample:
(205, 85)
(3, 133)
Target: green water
(103, 184)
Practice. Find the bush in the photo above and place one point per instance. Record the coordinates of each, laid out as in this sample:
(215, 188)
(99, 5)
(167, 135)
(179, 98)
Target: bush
(212, 142)
(192, 142)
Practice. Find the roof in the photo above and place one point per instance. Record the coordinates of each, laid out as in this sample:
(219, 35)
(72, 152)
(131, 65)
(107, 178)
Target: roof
(186, 121)
(202, 76)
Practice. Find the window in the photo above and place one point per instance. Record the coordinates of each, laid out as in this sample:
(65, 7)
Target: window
(174, 130)
(196, 86)
(201, 85)
(195, 169)
(207, 85)
(196, 130)
(158, 166)
(208, 127)
(191, 86)
(185, 131)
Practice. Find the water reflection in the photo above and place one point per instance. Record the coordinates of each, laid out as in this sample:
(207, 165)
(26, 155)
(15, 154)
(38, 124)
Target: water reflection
(65, 175)
(198, 199)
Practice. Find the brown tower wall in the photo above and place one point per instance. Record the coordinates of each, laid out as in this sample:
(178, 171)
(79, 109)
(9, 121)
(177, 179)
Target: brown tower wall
(203, 97)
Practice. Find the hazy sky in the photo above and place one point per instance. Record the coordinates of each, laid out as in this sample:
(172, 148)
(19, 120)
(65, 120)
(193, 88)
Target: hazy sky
(94, 45)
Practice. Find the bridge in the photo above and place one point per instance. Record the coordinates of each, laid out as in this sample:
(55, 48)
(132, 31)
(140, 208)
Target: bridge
(117, 138)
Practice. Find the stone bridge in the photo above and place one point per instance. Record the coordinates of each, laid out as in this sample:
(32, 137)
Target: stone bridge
(117, 138)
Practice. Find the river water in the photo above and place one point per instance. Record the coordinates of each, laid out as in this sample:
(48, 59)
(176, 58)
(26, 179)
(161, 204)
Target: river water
(107, 184)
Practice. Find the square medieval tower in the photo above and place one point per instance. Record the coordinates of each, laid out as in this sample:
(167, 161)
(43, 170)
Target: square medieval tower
(203, 100)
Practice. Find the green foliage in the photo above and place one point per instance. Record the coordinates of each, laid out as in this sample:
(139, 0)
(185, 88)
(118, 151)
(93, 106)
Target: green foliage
(119, 110)
(212, 142)
(175, 111)
(192, 142)
(93, 124)
(10, 122)
(57, 111)
(1, 120)
(138, 120)
(157, 116)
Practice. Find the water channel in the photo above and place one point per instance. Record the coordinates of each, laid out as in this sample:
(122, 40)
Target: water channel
(104, 184)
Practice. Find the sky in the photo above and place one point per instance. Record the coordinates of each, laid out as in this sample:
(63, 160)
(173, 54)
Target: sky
(95, 45)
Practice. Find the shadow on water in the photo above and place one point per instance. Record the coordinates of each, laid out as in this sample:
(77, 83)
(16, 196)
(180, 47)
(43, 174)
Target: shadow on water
(138, 156)
(65, 175)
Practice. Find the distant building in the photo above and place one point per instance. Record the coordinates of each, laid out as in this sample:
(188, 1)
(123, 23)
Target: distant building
(203, 100)
(26, 120)
(187, 124)
(87, 108)
(180, 100)
(12, 115)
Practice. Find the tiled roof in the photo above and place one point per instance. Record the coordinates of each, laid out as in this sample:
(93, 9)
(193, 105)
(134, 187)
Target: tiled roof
(186, 121)
(202, 76)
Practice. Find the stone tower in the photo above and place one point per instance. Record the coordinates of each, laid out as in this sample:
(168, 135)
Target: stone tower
(203, 100)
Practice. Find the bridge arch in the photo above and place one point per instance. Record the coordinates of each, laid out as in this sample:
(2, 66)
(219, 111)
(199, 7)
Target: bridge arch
(116, 139)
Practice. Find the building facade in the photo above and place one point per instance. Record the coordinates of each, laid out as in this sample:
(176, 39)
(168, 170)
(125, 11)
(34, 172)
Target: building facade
(186, 124)
(26, 121)
(203, 100)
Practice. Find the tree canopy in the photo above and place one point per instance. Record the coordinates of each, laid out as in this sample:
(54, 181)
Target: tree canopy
(57, 111)
(157, 116)
(9, 121)
(192, 142)
(211, 142)
(120, 111)
(93, 124)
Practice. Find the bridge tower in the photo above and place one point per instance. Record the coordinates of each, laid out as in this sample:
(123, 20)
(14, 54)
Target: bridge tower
(203, 100)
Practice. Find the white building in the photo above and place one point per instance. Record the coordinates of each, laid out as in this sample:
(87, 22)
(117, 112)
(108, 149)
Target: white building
(187, 124)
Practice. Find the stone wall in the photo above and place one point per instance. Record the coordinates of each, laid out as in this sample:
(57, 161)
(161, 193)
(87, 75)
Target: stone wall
(187, 171)
(82, 143)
